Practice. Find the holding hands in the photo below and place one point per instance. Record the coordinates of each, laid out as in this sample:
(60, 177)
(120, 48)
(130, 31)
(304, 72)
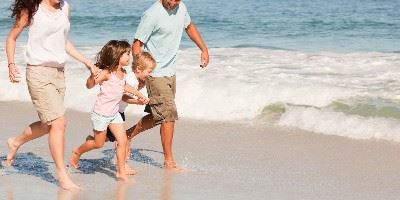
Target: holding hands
(143, 100)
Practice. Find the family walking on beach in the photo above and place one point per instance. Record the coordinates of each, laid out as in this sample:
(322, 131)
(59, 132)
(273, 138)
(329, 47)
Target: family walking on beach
(154, 51)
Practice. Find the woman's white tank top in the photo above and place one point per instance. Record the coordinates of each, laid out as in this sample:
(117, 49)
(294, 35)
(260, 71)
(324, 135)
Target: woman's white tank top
(48, 36)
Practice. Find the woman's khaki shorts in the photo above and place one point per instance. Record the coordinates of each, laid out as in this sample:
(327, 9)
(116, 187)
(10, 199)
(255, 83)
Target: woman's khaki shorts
(161, 92)
(46, 86)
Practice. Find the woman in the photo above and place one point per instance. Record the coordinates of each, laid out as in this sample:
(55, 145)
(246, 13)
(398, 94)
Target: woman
(46, 54)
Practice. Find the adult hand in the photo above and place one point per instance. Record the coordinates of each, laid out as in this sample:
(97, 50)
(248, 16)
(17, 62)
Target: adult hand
(13, 73)
(204, 58)
(94, 70)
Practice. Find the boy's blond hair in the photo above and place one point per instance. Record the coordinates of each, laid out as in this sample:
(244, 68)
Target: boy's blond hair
(143, 61)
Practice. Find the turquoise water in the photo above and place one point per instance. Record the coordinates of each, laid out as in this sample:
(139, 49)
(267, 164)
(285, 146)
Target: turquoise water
(309, 25)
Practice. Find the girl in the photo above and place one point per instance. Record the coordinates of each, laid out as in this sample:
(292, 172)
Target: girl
(141, 68)
(111, 59)
(45, 55)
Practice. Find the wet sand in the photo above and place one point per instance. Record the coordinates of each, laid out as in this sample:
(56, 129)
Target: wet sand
(226, 161)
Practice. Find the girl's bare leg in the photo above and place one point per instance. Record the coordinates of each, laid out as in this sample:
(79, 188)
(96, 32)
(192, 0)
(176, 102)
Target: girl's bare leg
(98, 142)
(33, 131)
(120, 135)
(129, 170)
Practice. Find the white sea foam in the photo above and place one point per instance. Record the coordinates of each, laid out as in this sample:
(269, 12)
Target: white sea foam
(334, 123)
(240, 82)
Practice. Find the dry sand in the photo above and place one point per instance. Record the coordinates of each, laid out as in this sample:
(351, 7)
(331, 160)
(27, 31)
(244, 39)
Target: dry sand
(226, 161)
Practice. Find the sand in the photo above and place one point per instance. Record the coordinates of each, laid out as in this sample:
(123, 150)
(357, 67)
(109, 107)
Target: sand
(225, 160)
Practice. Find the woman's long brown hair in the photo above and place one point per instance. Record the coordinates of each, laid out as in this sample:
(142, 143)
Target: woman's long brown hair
(19, 5)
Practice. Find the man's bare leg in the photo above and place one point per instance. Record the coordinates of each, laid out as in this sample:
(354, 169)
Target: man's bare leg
(33, 131)
(167, 134)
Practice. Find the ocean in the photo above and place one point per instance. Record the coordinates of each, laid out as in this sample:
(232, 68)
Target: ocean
(329, 67)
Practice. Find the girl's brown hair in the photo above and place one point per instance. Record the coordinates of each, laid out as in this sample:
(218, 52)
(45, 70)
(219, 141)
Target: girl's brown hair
(109, 55)
(143, 61)
(31, 6)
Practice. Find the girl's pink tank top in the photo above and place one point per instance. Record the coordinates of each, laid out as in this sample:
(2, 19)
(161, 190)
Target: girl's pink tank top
(110, 95)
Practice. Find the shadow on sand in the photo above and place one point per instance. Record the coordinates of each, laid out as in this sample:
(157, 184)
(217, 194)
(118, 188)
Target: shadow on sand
(137, 155)
(107, 166)
(31, 164)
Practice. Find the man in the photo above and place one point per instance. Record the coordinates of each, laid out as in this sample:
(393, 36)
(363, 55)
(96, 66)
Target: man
(160, 32)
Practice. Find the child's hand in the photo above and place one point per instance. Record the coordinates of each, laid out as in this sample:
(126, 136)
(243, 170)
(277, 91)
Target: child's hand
(94, 71)
(143, 100)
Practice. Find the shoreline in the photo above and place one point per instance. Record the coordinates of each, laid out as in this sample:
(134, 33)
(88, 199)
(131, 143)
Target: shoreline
(226, 161)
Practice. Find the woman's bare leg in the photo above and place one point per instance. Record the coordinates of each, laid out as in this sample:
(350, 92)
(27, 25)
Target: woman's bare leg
(56, 145)
(33, 131)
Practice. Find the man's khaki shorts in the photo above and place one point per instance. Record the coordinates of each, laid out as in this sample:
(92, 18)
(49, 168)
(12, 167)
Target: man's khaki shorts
(46, 86)
(161, 91)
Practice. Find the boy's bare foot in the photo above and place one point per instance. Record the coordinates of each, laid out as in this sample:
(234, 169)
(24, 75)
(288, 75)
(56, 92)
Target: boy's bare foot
(12, 150)
(89, 137)
(129, 170)
(171, 165)
(74, 159)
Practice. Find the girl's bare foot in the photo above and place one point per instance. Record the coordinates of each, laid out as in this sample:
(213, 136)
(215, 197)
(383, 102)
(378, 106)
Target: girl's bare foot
(74, 159)
(129, 170)
(12, 150)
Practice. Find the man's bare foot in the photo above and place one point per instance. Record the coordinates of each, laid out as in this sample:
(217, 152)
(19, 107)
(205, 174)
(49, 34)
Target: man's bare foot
(74, 159)
(171, 165)
(12, 150)
(129, 170)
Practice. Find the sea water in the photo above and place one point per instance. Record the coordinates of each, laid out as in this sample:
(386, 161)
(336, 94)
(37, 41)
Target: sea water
(331, 67)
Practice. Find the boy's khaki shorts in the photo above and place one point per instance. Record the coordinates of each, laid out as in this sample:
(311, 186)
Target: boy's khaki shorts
(161, 91)
(46, 86)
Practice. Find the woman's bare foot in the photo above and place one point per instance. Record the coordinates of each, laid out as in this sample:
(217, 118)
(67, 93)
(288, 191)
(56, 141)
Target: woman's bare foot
(12, 150)
(129, 170)
(74, 159)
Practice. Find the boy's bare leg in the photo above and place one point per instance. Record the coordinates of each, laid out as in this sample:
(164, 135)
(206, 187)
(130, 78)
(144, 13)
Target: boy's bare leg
(98, 142)
(56, 145)
(143, 124)
(120, 135)
(33, 131)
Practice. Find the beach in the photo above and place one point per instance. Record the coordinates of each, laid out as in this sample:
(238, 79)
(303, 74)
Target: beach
(223, 161)
(300, 100)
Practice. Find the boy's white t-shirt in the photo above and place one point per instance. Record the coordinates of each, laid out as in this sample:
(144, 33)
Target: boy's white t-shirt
(132, 81)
